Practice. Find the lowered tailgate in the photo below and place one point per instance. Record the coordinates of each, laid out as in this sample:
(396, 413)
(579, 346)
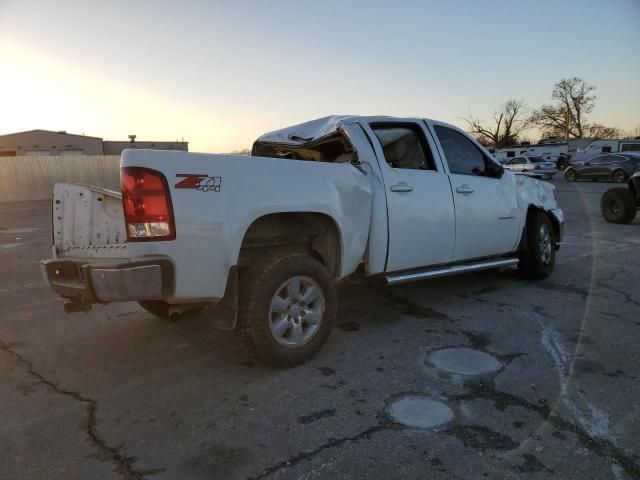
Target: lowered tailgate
(88, 222)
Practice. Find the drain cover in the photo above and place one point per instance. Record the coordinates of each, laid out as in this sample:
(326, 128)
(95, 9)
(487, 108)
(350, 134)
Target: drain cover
(419, 412)
(464, 361)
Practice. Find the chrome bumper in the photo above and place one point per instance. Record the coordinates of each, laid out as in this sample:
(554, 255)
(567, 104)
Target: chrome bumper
(109, 281)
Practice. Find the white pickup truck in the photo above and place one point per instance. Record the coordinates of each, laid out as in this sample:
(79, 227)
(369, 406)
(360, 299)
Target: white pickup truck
(258, 241)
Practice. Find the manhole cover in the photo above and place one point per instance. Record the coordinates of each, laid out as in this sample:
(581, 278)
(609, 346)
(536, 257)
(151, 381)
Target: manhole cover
(419, 412)
(464, 361)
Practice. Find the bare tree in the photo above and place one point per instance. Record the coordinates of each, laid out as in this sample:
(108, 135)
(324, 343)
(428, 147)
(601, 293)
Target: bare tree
(567, 117)
(242, 151)
(509, 121)
(632, 132)
(595, 130)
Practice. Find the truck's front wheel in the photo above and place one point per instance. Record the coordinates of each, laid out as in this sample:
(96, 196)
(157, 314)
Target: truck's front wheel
(288, 304)
(538, 257)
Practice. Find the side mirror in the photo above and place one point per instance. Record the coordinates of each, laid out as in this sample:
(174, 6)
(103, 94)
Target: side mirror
(587, 163)
(494, 170)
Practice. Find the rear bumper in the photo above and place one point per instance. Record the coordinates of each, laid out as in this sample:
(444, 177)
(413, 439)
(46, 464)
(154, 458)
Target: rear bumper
(110, 281)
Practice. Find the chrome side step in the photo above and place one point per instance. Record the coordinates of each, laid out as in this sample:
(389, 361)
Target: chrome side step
(404, 277)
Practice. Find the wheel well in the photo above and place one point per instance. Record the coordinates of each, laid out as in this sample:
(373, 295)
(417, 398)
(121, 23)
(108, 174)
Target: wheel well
(554, 224)
(315, 234)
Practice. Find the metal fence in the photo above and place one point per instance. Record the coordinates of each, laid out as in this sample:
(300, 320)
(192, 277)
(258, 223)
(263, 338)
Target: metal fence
(33, 178)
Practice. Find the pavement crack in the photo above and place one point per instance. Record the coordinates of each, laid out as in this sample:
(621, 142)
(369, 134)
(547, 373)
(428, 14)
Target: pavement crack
(568, 288)
(627, 297)
(124, 464)
(412, 309)
(597, 445)
(308, 455)
(537, 309)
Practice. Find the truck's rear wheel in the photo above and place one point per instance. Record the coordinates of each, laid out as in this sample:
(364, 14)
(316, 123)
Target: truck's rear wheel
(161, 309)
(618, 205)
(538, 258)
(288, 305)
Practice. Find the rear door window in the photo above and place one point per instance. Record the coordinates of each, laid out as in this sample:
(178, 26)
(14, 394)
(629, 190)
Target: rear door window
(404, 147)
(462, 156)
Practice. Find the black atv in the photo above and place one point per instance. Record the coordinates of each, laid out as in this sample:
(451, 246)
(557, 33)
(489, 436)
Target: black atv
(563, 161)
(620, 205)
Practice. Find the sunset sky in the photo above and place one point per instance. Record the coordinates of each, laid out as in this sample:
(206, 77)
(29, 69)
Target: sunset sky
(221, 73)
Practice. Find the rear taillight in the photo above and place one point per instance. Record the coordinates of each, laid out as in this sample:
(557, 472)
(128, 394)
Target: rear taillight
(537, 167)
(146, 201)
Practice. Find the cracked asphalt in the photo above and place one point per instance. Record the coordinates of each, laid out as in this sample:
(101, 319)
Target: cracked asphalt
(119, 394)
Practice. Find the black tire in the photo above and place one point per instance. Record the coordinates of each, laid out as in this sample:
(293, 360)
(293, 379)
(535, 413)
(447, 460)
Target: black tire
(538, 257)
(619, 176)
(570, 175)
(160, 308)
(258, 288)
(618, 205)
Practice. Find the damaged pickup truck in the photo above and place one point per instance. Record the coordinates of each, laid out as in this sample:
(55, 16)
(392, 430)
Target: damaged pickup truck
(258, 241)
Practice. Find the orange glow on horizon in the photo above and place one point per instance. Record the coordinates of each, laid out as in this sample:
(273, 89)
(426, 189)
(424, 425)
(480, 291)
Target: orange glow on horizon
(40, 91)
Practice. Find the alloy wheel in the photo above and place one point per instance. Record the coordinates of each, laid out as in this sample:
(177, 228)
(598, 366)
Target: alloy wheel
(296, 311)
(545, 244)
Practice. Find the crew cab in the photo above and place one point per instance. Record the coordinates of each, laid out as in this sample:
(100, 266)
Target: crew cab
(258, 241)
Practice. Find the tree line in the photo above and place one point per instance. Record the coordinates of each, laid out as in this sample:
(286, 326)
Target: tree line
(566, 117)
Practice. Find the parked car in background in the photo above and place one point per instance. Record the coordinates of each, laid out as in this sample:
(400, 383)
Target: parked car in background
(532, 166)
(563, 161)
(548, 151)
(612, 167)
(607, 146)
(620, 204)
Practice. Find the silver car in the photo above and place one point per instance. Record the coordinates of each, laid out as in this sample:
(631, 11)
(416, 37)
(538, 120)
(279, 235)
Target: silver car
(532, 166)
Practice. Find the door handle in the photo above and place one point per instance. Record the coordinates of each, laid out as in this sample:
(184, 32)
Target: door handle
(401, 187)
(464, 190)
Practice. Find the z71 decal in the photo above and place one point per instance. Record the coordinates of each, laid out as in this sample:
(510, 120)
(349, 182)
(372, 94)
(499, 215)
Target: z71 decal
(201, 182)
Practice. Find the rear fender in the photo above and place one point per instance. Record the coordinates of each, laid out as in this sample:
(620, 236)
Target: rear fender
(211, 223)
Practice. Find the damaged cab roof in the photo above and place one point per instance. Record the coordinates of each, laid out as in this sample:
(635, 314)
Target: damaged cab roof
(314, 129)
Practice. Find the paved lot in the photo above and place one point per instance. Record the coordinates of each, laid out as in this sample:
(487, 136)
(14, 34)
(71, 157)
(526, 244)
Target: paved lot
(117, 393)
